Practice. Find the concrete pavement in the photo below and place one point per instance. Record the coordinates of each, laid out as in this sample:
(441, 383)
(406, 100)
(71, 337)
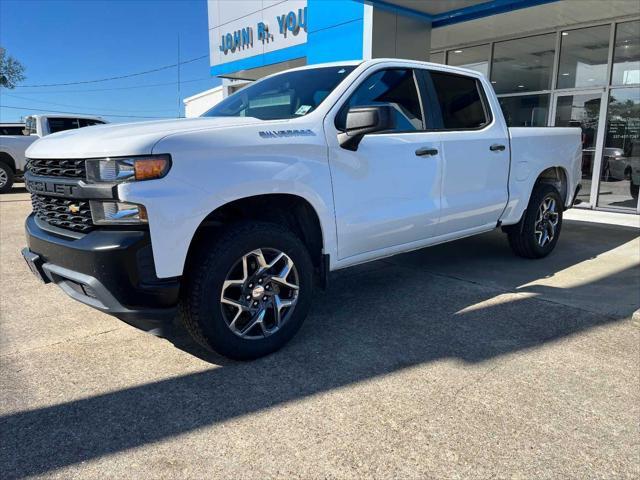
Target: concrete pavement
(452, 362)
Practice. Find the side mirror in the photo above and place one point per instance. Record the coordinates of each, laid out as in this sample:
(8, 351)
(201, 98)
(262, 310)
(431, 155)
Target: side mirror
(360, 121)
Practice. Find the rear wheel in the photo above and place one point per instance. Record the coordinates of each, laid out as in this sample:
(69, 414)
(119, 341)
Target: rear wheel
(6, 178)
(537, 233)
(248, 292)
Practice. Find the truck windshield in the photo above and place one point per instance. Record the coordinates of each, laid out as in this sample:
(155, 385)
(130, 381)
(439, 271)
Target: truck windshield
(288, 95)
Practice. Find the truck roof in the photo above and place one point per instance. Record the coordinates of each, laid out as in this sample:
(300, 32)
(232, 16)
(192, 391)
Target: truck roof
(375, 61)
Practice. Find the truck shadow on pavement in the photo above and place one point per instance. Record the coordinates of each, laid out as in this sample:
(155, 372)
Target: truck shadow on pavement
(447, 302)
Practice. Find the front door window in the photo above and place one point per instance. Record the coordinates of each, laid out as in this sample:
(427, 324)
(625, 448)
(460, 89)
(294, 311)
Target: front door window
(386, 194)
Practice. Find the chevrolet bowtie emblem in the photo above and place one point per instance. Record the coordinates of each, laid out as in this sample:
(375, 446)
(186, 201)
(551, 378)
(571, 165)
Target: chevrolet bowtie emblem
(74, 208)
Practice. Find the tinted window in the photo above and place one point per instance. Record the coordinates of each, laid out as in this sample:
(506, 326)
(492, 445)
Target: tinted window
(626, 56)
(437, 57)
(61, 124)
(389, 87)
(287, 95)
(524, 64)
(583, 57)
(11, 130)
(473, 58)
(525, 110)
(87, 122)
(460, 101)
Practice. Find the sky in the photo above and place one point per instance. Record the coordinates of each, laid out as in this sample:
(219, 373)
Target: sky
(64, 41)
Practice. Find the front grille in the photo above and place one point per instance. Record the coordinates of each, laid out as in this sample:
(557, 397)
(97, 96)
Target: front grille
(72, 168)
(61, 212)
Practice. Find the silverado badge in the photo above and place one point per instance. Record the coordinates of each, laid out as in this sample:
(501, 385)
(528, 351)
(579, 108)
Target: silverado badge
(73, 208)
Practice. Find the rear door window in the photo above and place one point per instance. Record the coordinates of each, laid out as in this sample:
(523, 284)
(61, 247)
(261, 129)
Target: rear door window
(460, 100)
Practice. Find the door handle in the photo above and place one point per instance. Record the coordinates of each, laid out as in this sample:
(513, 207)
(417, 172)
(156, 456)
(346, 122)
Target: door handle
(497, 148)
(426, 151)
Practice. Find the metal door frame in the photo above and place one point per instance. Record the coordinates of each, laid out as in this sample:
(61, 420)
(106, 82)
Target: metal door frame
(600, 134)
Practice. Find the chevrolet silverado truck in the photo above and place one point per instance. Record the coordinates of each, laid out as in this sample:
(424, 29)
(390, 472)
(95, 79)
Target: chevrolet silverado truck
(15, 142)
(227, 221)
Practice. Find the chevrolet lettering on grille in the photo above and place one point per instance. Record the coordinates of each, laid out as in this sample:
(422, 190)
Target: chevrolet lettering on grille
(52, 188)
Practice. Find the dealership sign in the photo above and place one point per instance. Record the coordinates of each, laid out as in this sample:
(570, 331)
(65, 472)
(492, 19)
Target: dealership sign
(288, 24)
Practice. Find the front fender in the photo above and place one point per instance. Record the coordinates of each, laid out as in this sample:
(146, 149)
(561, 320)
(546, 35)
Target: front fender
(198, 184)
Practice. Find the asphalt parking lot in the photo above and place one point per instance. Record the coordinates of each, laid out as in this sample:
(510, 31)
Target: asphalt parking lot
(459, 361)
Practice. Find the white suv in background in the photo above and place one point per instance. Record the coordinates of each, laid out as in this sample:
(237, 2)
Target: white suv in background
(15, 143)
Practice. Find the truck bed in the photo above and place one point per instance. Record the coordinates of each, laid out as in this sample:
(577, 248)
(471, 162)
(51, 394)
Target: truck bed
(533, 147)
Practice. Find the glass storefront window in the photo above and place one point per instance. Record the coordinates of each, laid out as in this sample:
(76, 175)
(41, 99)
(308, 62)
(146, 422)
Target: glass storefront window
(582, 110)
(583, 57)
(626, 55)
(474, 58)
(620, 172)
(523, 65)
(525, 110)
(437, 57)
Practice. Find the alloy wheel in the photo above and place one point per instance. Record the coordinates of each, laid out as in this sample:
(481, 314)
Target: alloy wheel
(546, 221)
(4, 178)
(259, 293)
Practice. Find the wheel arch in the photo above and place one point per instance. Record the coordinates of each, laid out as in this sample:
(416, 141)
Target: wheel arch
(558, 177)
(8, 160)
(291, 210)
(553, 175)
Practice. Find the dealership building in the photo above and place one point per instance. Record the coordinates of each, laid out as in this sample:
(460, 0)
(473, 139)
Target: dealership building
(551, 62)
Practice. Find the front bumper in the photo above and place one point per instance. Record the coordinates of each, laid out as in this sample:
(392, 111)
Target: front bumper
(110, 270)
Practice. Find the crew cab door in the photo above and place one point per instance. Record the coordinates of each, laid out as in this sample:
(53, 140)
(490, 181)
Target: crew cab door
(475, 145)
(387, 192)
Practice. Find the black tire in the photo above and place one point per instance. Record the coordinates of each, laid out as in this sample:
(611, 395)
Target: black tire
(633, 189)
(209, 265)
(522, 236)
(6, 178)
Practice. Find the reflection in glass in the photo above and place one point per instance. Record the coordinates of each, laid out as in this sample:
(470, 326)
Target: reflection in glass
(626, 55)
(581, 111)
(583, 57)
(620, 173)
(437, 57)
(474, 58)
(523, 65)
(525, 111)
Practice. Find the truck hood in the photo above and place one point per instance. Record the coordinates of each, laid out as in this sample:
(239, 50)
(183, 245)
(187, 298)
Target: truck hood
(121, 139)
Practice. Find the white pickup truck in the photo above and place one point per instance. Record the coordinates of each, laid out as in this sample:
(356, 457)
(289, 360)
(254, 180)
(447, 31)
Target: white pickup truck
(14, 145)
(233, 217)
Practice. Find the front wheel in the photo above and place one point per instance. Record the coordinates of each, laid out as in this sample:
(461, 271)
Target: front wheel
(6, 178)
(633, 189)
(537, 233)
(248, 292)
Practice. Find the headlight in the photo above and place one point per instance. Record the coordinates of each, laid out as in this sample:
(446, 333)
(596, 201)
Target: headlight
(117, 213)
(118, 170)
